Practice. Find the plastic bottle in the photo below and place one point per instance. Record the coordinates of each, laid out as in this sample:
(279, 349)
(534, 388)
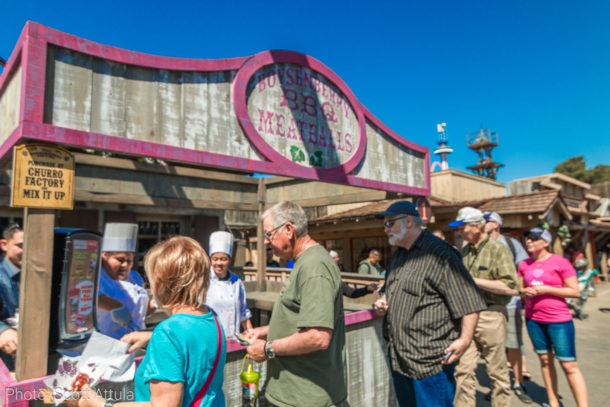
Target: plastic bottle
(249, 382)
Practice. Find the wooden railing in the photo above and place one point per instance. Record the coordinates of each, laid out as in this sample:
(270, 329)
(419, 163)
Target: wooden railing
(280, 274)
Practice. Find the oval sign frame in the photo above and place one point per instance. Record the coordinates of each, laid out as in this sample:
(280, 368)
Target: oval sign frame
(240, 86)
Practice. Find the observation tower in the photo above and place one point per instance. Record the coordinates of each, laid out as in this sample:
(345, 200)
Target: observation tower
(482, 142)
(443, 148)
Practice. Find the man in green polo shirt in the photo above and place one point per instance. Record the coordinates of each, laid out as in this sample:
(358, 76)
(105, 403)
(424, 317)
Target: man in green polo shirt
(493, 271)
(304, 343)
(371, 265)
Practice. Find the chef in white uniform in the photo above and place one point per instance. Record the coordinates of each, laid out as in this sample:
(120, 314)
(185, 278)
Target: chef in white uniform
(122, 302)
(226, 295)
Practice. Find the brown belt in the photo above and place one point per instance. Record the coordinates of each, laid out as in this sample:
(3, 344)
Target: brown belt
(498, 308)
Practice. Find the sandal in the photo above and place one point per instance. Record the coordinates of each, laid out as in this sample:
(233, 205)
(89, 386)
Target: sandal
(526, 375)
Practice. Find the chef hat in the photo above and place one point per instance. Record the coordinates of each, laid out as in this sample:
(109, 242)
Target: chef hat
(120, 237)
(221, 242)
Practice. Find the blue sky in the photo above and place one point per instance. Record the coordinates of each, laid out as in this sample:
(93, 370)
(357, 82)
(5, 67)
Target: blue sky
(536, 72)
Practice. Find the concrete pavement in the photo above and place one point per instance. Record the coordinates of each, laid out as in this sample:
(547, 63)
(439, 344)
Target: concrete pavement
(592, 350)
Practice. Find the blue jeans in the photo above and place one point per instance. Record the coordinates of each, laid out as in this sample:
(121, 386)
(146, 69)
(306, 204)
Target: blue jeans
(437, 390)
(557, 336)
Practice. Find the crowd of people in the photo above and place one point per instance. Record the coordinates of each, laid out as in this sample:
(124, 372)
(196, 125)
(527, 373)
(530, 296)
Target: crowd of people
(443, 309)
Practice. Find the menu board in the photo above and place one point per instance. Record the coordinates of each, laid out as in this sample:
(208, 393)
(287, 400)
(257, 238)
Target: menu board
(80, 285)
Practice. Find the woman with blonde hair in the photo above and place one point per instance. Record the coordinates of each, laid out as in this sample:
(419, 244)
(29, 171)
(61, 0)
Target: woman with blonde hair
(185, 357)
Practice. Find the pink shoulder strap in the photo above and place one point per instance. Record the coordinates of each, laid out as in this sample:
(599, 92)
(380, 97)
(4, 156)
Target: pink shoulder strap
(197, 401)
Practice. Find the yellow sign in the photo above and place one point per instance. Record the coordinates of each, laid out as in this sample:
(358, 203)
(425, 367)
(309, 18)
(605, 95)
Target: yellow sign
(43, 177)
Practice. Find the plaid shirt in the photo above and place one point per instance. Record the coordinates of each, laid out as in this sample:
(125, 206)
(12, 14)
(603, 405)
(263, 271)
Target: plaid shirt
(428, 291)
(491, 260)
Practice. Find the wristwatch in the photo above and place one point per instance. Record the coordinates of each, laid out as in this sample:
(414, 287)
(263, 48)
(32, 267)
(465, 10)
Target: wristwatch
(269, 350)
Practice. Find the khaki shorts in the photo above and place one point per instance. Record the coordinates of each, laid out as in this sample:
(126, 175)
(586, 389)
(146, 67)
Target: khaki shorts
(514, 329)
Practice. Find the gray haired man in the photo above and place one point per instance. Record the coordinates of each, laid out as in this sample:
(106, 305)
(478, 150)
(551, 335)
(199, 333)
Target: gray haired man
(304, 343)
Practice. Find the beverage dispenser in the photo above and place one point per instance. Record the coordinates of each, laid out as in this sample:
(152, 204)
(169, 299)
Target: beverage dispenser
(76, 265)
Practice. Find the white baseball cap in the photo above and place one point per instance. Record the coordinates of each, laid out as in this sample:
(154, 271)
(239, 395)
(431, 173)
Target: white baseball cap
(467, 215)
(493, 217)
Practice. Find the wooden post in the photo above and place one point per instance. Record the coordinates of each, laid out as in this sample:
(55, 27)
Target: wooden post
(589, 248)
(35, 293)
(261, 259)
(557, 247)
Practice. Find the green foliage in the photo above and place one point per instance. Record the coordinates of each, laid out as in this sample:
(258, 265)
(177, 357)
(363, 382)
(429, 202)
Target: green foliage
(315, 160)
(576, 167)
(601, 173)
(297, 154)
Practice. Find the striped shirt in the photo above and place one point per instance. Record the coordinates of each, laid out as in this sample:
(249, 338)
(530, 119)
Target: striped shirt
(491, 260)
(428, 290)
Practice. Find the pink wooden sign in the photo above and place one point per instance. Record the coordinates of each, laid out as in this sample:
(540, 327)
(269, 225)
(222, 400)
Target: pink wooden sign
(298, 112)
(277, 112)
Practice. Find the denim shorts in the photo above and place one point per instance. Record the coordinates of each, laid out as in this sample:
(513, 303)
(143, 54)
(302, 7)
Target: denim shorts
(553, 336)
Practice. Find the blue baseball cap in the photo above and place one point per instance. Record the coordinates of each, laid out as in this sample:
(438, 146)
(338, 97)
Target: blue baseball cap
(400, 208)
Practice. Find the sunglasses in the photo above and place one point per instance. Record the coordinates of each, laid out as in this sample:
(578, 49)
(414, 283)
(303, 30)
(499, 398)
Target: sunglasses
(534, 236)
(390, 223)
(269, 235)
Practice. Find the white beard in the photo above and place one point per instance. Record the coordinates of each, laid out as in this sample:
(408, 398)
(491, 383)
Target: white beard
(393, 239)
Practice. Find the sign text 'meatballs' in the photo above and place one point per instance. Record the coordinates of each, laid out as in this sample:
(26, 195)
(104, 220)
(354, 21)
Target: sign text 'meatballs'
(302, 115)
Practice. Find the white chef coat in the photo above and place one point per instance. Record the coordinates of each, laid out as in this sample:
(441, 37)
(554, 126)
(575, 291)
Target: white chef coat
(228, 298)
(132, 296)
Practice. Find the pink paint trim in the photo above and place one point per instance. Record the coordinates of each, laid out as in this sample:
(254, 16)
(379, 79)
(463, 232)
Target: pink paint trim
(6, 381)
(14, 60)
(240, 103)
(428, 171)
(37, 384)
(234, 346)
(31, 49)
(360, 316)
(5, 375)
(29, 387)
(11, 141)
(398, 139)
(77, 138)
(55, 37)
(406, 143)
(33, 80)
(386, 186)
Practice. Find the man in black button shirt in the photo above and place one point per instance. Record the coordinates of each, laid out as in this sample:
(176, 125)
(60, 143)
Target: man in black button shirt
(431, 308)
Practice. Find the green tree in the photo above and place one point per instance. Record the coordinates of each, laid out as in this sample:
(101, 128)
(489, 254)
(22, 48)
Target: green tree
(576, 167)
(599, 174)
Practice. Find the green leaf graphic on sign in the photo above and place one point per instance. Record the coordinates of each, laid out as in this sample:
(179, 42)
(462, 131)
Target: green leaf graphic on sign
(315, 160)
(296, 154)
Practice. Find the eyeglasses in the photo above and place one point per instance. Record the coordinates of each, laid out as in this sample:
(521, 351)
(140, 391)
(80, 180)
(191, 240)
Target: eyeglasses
(269, 235)
(389, 223)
